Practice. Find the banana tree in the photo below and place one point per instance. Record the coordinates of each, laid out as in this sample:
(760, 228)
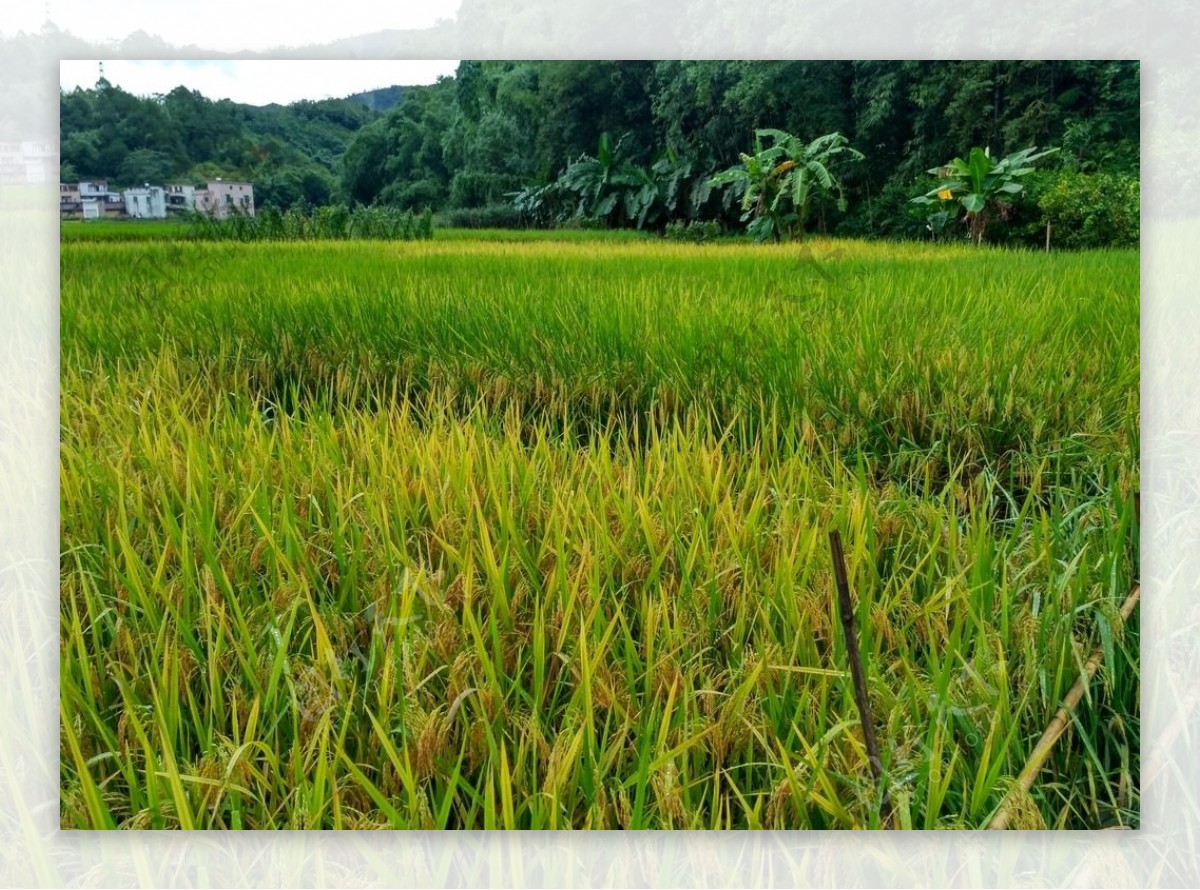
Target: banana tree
(601, 182)
(759, 184)
(781, 183)
(672, 172)
(983, 186)
(612, 189)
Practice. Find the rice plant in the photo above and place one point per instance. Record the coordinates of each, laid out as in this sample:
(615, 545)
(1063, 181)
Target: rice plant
(329, 223)
(488, 534)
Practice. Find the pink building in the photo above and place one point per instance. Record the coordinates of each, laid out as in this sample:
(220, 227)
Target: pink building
(221, 197)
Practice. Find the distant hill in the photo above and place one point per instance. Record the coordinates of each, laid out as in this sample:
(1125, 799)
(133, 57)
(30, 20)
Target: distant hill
(289, 152)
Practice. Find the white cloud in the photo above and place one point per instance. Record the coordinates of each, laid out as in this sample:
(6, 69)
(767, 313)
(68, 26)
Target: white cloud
(227, 25)
(257, 82)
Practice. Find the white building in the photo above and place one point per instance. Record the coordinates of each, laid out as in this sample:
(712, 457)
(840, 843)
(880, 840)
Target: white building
(94, 189)
(181, 198)
(148, 202)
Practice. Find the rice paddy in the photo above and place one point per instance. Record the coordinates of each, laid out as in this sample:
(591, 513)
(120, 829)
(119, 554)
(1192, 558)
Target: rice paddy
(488, 532)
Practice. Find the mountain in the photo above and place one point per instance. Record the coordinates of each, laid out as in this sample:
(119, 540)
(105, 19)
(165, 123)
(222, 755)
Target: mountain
(289, 152)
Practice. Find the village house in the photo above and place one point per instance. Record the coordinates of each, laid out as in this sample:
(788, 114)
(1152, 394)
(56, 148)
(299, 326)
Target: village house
(220, 197)
(70, 203)
(147, 202)
(92, 199)
(89, 200)
(181, 198)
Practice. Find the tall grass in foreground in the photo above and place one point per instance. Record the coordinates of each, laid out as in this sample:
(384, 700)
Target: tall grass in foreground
(507, 535)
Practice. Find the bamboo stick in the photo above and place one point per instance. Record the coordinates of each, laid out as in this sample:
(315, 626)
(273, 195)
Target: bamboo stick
(857, 674)
(1060, 723)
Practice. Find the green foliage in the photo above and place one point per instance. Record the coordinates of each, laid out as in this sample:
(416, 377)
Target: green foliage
(491, 216)
(399, 160)
(541, 206)
(1092, 209)
(984, 187)
(110, 134)
(694, 231)
(147, 166)
(606, 185)
(289, 186)
(480, 189)
(781, 183)
(607, 189)
(335, 222)
(381, 100)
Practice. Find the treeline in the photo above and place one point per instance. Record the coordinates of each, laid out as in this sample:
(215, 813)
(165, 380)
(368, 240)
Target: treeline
(636, 143)
(467, 144)
(291, 153)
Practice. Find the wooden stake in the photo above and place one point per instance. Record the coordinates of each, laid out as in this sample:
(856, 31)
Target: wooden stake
(854, 656)
(1060, 724)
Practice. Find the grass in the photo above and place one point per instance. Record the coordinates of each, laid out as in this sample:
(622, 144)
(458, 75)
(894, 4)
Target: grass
(123, 230)
(181, 230)
(476, 533)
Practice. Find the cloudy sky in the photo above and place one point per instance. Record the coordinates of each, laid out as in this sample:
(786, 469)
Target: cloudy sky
(225, 25)
(257, 82)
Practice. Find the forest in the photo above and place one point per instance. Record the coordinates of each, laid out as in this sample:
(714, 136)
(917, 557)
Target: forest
(637, 143)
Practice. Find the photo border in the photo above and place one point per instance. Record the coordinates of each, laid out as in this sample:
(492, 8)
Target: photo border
(33, 851)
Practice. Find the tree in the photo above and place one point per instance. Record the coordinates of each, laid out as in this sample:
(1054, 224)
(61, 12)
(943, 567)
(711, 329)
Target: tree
(363, 164)
(470, 140)
(984, 187)
(610, 188)
(146, 165)
(597, 181)
(781, 182)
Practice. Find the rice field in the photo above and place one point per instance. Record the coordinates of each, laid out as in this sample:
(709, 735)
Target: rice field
(489, 532)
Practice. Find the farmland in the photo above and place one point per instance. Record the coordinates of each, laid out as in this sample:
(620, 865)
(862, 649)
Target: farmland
(491, 532)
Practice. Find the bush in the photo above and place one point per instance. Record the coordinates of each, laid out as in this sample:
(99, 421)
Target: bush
(1092, 210)
(888, 213)
(471, 190)
(491, 216)
(696, 231)
(579, 222)
(412, 195)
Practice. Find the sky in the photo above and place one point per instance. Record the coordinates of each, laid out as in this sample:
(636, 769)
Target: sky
(258, 81)
(224, 25)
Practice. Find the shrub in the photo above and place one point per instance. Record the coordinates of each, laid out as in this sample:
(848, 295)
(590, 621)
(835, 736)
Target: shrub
(491, 216)
(696, 231)
(888, 213)
(1092, 209)
(582, 223)
(470, 189)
